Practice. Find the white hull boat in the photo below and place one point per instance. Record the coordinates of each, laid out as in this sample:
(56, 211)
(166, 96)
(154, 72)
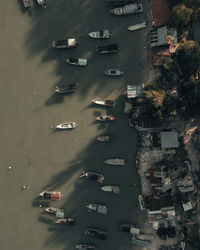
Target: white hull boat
(115, 161)
(141, 202)
(112, 189)
(97, 208)
(113, 72)
(67, 125)
(75, 61)
(102, 34)
(137, 26)
(103, 102)
(128, 9)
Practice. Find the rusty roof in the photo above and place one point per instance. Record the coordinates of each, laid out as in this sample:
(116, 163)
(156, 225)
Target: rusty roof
(160, 12)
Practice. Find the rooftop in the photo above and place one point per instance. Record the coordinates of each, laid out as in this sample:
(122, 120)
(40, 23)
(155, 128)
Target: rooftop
(169, 139)
(160, 12)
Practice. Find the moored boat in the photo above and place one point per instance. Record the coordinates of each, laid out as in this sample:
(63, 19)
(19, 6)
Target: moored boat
(101, 34)
(27, 3)
(147, 237)
(115, 161)
(112, 189)
(65, 44)
(96, 233)
(110, 48)
(67, 125)
(141, 202)
(103, 102)
(101, 209)
(104, 138)
(92, 176)
(42, 3)
(70, 88)
(128, 9)
(66, 221)
(85, 247)
(137, 26)
(51, 195)
(128, 228)
(139, 242)
(76, 61)
(106, 118)
(114, 72)
(59, 213)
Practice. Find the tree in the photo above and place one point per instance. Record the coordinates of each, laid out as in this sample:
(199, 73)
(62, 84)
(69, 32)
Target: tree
(181, 14)
(188, 57)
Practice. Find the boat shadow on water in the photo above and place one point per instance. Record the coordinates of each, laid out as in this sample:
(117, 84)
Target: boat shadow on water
(55, 99)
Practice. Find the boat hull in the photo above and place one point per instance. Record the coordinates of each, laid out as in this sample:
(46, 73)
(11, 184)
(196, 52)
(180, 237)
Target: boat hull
(114, 72)
(137, 26)
(106, 118)
(115, 162)
(105, 138)
(67, 125)
(112, 189)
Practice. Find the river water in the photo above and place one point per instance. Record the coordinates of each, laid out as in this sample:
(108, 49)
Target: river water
(41, 158)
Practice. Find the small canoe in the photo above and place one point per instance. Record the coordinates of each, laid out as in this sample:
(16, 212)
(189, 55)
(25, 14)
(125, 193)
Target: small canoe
(106, 118)
(102, 34)
(115, 161)
(112, 189)
(113, 72)
(67, 125)
(104, 138)
(99, 101)
(137, 26)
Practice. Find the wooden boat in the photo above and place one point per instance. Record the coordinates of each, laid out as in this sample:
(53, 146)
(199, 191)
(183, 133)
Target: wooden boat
(85, 247)
(70, 88)
(128, 9)
(51, 195)
(67, 125)
(119, 2)
(112, 189)
(104, 138)
(97, 208)
(96, 233)
(114, 72)
(42, 3)
(139, 242)
(59, 213)
(115, 161)
(27, 3)
(106, 118)
(102, 34)
(66, 221)
(137, 26)
(141, 202)
(65, 44)
(110, 48)
(99, 101)
(76, 61)
(147, 237)
(92, 176)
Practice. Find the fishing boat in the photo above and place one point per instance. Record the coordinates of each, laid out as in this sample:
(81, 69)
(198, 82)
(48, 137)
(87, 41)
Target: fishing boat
(106, 118)
(101, 209)
(102, 34)
(114, 72)
(137, 26)
(128, 9)
(104, 138)
(139, 242)
(51, 195)
(65, 44)
(67, 125)
(66, 221)
(92, 176)
(115, 161)
(141, 202)
(109, 48)
(76, 61)
(96, 233)
(112, 189)
(59, 213)
(70, 88)
(103, 102)
(85, 247)
(147, 237)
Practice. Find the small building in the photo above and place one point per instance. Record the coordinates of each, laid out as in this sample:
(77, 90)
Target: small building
(135, 91)
(169, 139)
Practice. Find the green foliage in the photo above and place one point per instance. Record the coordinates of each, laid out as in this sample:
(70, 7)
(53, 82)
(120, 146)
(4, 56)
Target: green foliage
(188, 57)
(181, 14)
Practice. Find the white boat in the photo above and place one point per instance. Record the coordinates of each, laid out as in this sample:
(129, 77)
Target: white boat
(128, 9)
(115, 161)
(113, 189)
(101, 34)
(103, 102)
(59, 213)
(97, 208)
(76, 61)
(137, 26)
(141, 202)
(67, 125)
(113, 72)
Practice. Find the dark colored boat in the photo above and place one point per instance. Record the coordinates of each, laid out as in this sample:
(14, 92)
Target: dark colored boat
(65, 44)
(27, 3)
(96, 233)
(118, 2)
(104, 138)
(110, 48)
(92, 176)
(70, 88)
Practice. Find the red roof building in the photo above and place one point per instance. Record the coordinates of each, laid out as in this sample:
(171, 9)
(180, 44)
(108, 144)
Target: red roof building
(160, 12)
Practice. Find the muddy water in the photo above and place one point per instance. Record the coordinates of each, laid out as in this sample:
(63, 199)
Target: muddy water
(42, 158)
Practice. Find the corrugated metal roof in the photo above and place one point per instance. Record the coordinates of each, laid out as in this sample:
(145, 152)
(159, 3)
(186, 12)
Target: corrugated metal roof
(169, 139)
(134, 91)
